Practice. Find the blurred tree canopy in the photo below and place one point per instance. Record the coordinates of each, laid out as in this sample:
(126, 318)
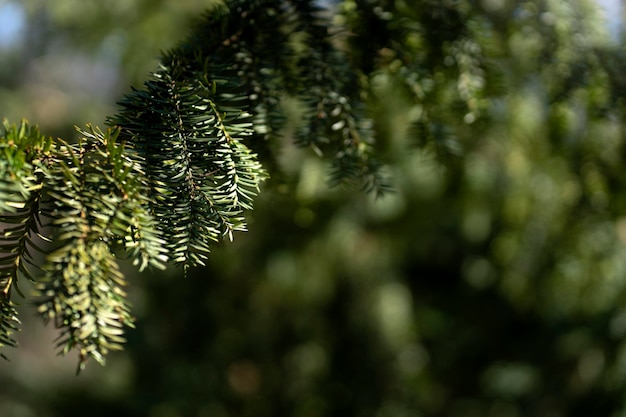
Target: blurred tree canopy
(491, 282)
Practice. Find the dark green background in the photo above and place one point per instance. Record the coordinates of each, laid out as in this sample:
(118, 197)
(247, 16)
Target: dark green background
(492, 282)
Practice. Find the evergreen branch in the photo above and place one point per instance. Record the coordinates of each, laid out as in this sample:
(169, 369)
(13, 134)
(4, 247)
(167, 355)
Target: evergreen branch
(17, 244)
(335, 122)
(20, 194)
(94, 200)
(81, 290)
(176, 172)
(19, 145)
(120, 180)
(8, 323)
(433, 55)
(82, 293)
(240, 164)
(187, 125)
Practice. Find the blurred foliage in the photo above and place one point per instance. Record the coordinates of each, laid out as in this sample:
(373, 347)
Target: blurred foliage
(491, 283)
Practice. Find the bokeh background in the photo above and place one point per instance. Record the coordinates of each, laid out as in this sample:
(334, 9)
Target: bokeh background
(491, 282)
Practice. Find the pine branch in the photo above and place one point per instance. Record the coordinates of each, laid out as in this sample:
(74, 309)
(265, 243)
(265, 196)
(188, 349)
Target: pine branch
(20, 193)
(335, 122)
(82, 292)
(176, 171)
(17, 243)
(433, 56)
(9, 324)
(201, 174)
(94, 203)
(123, 180)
